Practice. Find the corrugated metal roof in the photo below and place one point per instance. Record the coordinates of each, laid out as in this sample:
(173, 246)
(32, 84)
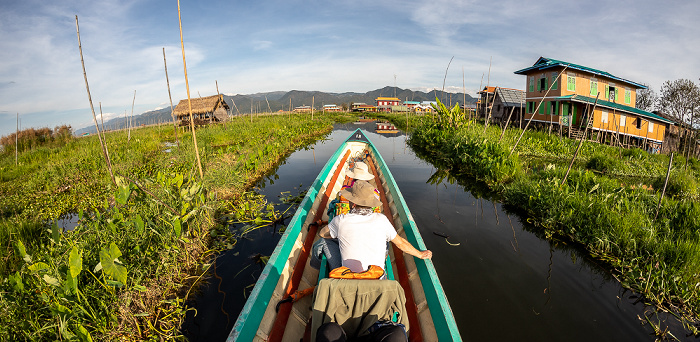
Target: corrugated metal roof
(544, 63)
(511, 97)
(612, 105)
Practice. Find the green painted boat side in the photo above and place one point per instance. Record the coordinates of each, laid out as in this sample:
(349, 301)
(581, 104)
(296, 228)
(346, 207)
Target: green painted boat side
(247, 323)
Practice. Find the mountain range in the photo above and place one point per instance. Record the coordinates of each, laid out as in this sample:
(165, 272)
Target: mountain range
(281, 100)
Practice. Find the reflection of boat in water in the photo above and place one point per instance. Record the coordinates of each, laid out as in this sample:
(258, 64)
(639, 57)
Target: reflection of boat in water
(267, 317)
(386, 127)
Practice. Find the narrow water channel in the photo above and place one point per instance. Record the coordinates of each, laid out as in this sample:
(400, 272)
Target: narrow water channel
(502, 280)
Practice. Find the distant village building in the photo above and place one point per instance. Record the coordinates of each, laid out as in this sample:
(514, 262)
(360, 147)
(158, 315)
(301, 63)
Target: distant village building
(425, 107)
(485, 102)
(302, 109)
(331, 108)
(362, 107)
(508, 103)
(570, 101)
(385, 104)
(205, 110)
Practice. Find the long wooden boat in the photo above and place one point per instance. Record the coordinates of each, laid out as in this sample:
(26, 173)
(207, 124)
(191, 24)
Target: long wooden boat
(287, 271)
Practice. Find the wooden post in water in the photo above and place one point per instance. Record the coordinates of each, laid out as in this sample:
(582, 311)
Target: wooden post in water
(17, 141)
(131, 118)
(189, 101)
(172, 112)
(536, 109)
(94, 117)
(668, 173)
(580, 143)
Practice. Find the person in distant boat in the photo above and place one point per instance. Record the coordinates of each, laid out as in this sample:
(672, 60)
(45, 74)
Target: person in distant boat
(362, 233)
(339, 206)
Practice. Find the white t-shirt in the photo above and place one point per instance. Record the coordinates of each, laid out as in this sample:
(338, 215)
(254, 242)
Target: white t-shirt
(362, 239)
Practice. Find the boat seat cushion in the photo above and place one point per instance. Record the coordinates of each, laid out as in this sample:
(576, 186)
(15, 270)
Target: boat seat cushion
(356, 304)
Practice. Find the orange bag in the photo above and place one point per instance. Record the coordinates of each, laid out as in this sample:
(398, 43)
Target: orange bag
(374, 272)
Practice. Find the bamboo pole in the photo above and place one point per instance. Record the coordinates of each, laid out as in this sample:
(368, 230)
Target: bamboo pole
(94, 117)
(486, 123)
(536, 109)
(312, 107)
(221, 98)
(268, 104)
(131, 118)
(172, 111)
(189, 100)
(506, 125)
(580, 142)
(668, 173)
(464, 94)
(17, 141)
(104, 137)
(445, 79)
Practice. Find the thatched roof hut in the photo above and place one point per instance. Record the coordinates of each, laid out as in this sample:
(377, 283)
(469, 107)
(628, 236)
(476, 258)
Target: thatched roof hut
(204, 110)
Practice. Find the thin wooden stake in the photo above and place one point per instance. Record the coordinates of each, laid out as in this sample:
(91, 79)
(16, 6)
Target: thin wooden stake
(17, 141)
(580, 143)
(486, 124)
(104, 137)
(668, 173)
(131, 118)
(506, 125)
(94, 117)
(189, 100)
(172, 111)
(312, 108)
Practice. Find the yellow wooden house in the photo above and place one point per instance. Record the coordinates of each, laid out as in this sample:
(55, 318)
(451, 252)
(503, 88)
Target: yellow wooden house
(563, 94)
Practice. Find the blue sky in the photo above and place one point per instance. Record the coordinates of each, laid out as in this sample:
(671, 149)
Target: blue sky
(332, 46)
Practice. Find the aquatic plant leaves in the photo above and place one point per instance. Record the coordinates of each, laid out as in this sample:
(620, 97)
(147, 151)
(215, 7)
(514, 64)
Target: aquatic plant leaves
(51, 280)
(16, 281)
(38, 267)
(122, 195)
(139, 224)
(23, 252)
(75, 262)
(111, 264)
(82, 333)
(55, 235)
(177, 227)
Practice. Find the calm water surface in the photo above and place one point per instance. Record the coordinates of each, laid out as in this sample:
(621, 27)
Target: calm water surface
(503, 282)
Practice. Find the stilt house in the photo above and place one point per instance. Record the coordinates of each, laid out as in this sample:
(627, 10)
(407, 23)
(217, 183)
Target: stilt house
(569, 104)
(205, 110)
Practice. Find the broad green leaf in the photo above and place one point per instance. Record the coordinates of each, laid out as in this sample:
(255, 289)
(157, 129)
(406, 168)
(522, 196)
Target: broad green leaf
(55, 235)
(140, 288)
(70, 285)
(97, 268)
(23, 252)
(16, 281)
(122, 195)
(177, 227)
(61, 310)
(39, 266)
(111, 264)
(113, 283)
(75, 260)
(51, 280)
(138, 222)
(82, 333)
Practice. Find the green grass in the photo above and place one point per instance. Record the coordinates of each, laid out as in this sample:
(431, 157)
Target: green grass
(126, 270)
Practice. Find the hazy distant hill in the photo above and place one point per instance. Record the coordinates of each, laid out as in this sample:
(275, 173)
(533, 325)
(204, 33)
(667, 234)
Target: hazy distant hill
(280, 100)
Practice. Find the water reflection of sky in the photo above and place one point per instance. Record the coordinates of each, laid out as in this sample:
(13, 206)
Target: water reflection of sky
(503, 282)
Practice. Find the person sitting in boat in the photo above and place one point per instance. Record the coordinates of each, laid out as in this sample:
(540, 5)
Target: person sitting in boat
(339, 206)
(363, 234)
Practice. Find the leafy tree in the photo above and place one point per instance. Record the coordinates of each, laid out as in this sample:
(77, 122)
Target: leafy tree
(646, 99)
(679, 99)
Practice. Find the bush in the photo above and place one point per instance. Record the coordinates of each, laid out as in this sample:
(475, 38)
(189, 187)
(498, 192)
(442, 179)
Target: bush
(680, 185)
(602, 162)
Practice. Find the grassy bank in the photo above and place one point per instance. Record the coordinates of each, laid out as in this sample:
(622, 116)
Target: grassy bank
(125, 271)
(607, 204)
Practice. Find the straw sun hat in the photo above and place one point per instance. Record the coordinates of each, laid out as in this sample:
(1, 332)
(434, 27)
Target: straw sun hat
(362, 193)
(360, 171)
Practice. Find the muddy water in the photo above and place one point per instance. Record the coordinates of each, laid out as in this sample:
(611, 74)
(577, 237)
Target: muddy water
(503, 281)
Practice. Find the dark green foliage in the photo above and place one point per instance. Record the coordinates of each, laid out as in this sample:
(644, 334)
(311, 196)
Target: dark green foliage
(680, 185)
(602, 162)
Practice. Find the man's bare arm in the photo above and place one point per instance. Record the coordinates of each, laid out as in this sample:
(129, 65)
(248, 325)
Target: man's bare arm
(406, 247)
(324, 232)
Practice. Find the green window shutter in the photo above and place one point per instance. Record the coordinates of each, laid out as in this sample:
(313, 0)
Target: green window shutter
(554, 81)
(565, 108)
(538, 85)
(541, 111)
(532, 83)
(555, 107)
(546, 107)
(617, 94)
(628, 96)
(607, 91)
